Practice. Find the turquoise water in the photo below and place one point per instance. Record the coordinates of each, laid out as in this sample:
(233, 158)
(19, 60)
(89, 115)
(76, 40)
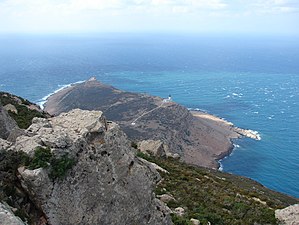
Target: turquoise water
(251, 81)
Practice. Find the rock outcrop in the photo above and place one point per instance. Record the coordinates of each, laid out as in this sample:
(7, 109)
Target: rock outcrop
(7, 124)
(288, 215)
(106, 185)
(153, 147)
(7, 217)
(21, 111)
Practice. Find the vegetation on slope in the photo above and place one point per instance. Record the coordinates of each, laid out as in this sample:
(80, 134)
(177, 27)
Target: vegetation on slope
(24, 114)
(11, 190)
(216, 197)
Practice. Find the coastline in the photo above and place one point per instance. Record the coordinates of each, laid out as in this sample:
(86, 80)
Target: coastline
(228, 129)
(215, 135)
(237, 132)
(44, 99)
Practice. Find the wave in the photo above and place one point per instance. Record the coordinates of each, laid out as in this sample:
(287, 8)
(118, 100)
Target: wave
(220, 166)
(197, 109)
(42, 101)
(220, 161)
(256, 133)
(240, 95)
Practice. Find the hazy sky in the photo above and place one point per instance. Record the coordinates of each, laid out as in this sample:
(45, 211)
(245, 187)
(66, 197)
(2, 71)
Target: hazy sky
(231, 16)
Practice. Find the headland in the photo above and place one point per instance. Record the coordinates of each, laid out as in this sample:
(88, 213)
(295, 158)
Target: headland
(197, 137)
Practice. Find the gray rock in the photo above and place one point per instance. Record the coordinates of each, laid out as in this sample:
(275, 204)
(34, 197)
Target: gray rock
(288, 215)
(107, 185)
(7, 217)
(179, 211)
(155, 166)
(10, 107)
(194, 221)
(7, 124)
(4, 144)
(166, 198)
(153, 147)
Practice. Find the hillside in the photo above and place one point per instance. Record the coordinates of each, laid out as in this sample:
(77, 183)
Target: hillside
(20, 109)
(197, 139)
(79, 168)
(216, 197)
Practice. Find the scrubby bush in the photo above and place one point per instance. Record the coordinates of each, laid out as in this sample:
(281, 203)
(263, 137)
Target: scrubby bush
(41, 158)
(10, 187)
(216, 197)
(59, 166)
(134, 145)
(177, 220)
(24, 114)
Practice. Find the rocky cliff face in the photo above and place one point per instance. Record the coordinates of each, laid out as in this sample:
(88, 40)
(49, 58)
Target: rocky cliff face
(106, 185)
(288, 215)
(7, 124)
(7, 216)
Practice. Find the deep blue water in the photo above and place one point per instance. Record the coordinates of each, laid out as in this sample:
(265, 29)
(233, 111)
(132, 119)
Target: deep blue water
(251, 81)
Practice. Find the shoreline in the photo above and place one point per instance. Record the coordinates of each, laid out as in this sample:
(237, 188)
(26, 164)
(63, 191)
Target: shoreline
(226, 124)
(41, 103)
(231, 132)
(216, 134)
(234, 148)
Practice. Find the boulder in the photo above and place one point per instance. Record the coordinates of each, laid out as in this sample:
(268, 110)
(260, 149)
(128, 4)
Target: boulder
(7, 124)
(288, 215)
(179, 211)
(155, 166)
(166, 198)
(194, 221)
(4, 144)
(7, 216)
(152, 147)
(10, 107)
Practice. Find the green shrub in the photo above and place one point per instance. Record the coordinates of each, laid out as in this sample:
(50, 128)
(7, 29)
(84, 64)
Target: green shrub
(134, 145)
(59, 166)
(41, 158)
(25, 115)
(10, 185)
(144, 156)
(216, 197)
(177, 220)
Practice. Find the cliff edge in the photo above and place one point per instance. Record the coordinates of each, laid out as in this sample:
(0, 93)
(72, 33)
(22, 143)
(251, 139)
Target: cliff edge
(83, 171)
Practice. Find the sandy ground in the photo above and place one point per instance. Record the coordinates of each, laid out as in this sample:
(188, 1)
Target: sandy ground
(236, 131)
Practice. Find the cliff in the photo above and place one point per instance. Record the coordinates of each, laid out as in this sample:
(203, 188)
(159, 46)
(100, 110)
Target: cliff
(83, 171)
(21, 110)
(16, 114)
(198, 140)
(7, 124)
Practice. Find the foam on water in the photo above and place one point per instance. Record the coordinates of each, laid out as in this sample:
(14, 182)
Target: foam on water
(42, 101)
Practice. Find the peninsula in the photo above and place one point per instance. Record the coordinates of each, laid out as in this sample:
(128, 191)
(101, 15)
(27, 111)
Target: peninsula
(196, 137)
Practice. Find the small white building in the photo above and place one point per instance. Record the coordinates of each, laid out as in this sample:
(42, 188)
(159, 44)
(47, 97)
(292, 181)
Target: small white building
(169, 99)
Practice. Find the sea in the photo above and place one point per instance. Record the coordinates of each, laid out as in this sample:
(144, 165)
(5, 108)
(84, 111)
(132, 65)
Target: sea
(252, 81)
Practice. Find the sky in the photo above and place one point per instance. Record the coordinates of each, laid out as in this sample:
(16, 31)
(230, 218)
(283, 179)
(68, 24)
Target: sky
(198, 16)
